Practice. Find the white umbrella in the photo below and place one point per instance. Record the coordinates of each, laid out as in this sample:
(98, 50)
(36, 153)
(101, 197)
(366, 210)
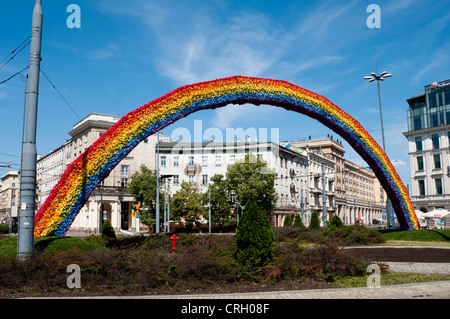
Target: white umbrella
(437, 213)
(419, 214)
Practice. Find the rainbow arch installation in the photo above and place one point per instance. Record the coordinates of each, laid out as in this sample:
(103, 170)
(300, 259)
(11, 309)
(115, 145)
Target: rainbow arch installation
(82, 176)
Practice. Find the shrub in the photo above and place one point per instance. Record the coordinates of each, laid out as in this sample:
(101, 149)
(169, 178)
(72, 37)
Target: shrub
(353, 235)
(287, 221)
(298, 222)
(315, 223)
(108, 230)
(4, 229)
(254, 237)
(336, 221)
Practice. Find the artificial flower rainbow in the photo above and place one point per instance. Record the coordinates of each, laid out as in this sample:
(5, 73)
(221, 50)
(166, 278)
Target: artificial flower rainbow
(82, 176)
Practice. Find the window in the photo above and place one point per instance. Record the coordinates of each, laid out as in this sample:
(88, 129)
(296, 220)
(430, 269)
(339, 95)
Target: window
(124, 182)
(420, 163)
(191, 160)
(421, 184)
(191, 179)
(176, 161)
(437, 161)
(176, 179)
(163, 160)
(205, 161)
(435, 140)
(205, 179)
(419, 143)
(218, 160)
(434, 119)
(433, 100)
(124, 170)
(447, 97)
(438, 183)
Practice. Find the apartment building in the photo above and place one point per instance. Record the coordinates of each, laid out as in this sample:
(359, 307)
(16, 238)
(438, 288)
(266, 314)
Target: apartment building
(298, 181)
(196, 163)
(9, 196)
(110, 199)
(429, 147)
(359, 197)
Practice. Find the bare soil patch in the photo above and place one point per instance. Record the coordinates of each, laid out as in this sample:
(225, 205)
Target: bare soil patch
(401, 254)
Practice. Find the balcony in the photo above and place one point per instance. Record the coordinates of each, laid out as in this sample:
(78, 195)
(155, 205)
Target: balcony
(110, 190)
(292, 172)
(292, 189)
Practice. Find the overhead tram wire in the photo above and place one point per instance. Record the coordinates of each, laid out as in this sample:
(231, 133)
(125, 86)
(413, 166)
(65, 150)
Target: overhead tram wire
(70, 106)
(4, 81)
(13, 51)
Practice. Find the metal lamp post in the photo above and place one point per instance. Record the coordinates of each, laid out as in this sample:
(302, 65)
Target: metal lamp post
(372, 77)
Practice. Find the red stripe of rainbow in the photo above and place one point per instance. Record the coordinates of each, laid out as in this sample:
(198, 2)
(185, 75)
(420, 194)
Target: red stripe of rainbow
(82, 176)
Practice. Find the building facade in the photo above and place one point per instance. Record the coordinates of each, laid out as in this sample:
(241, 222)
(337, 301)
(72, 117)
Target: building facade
(9, 196)
(429, 147)
(298, 181)
(359, 197)
(110, 200)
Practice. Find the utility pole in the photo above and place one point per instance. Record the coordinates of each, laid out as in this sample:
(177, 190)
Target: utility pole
(29, 153)
(324, 196)
(157, 183)
(100, 215)
(209, 226)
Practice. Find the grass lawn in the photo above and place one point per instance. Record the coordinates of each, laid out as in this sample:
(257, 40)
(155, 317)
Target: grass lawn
(389, 278)
(432, 237)
(8, 245)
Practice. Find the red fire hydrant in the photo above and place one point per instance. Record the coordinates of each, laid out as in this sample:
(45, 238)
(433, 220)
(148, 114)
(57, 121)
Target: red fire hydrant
(174, 238)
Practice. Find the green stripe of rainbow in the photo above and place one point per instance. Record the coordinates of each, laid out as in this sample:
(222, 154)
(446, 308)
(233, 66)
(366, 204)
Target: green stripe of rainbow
(82, 176)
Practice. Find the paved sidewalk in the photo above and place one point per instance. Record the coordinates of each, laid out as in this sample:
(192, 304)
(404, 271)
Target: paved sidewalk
(429, 290)
(425, 268)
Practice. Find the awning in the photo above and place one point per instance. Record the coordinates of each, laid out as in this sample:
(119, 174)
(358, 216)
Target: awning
(438, 213)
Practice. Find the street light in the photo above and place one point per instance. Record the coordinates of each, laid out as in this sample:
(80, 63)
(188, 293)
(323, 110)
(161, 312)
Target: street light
(372, 77)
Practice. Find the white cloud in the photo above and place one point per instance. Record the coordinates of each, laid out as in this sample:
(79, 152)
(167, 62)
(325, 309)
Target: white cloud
(104, 53)
(244, 45)
(398, 162)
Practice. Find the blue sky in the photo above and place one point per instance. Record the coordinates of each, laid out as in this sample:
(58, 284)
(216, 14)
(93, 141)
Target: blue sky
(127, 53)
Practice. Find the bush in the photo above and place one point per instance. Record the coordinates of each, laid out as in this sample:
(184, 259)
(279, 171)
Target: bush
(336, 221)
(315, 223)
(254, 237)
(4, 229)
(108, 230)
(353, 235)
(287, 221)
(298, 222)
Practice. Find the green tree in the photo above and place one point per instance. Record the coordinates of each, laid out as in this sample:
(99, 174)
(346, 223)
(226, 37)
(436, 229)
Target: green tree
(108, 230)
(143, 189)
(336, 222)
(287, 221)
(252, 180)
(187, 204)
(315, 223)
(254, 237)
(220, 201)
(298, 222)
